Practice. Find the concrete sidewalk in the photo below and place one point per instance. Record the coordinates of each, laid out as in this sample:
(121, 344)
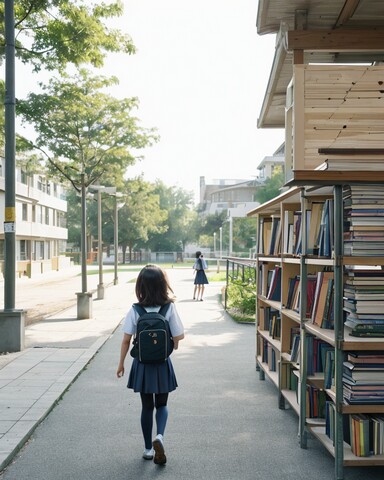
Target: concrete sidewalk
(57, 349)
(224, 422)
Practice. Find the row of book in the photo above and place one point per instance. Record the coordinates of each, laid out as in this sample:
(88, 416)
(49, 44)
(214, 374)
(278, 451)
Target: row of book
(364, 433)
(363, 378)
(315, 402)
(363, 220)
(267, 353)
(320, 355)
(320, 294)
(269, 319)
(363, 226)
(364, 302)
(270, 236)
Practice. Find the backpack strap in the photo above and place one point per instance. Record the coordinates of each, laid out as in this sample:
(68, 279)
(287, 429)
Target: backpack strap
(164, 309)
(139, 309)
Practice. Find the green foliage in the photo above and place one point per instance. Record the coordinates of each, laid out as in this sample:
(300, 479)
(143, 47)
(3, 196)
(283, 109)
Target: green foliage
(241, 292)
(83, 131)
(241, 298)
(142, 216)
(271, 187)
(178, 203)
(51, 34)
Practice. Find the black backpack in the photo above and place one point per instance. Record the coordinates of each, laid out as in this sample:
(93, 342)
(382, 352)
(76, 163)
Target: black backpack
(153, 341)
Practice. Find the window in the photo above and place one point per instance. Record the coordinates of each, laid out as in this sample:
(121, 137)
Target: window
(24, 177)
(23, 250)
(33, 213)
(47, 215)
(24, 208)
(41, 185)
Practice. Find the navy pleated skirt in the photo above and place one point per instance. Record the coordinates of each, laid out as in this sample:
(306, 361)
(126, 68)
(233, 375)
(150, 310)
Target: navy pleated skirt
(201, 278)
(152, 378)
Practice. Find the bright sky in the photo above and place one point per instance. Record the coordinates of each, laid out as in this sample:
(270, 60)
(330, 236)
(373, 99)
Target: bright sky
(200, 73)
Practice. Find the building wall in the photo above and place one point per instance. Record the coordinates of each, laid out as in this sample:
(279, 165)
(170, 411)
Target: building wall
(41, 232)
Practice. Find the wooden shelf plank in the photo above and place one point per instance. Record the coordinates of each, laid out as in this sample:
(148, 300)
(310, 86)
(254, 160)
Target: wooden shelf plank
(356, 408)
(291, 314)
(273, 341)
(334, 177)
(273, 376)
(290, 397)
(349, 458)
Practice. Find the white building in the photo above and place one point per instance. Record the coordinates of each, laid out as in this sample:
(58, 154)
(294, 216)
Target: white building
(41, 232)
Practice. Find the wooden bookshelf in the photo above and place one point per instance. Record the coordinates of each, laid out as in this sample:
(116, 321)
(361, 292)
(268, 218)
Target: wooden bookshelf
(302, 264)
(350, 460)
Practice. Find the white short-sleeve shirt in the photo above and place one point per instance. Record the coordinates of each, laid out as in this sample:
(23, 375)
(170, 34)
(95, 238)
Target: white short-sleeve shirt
(175, 324)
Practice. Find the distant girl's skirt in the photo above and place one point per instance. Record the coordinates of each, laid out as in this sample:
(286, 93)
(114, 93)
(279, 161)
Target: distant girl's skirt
(152, 378)
(201, 278)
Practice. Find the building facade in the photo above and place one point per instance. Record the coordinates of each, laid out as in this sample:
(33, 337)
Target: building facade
(41, 230)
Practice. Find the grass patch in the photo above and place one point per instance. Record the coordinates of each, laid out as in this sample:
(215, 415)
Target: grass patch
(240, 317)
(217, 277)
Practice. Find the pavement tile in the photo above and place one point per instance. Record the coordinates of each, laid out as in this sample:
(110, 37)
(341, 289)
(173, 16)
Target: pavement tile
(12, 413)
(5, 425)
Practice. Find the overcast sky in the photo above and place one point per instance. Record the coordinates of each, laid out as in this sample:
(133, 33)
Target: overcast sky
(200, 73)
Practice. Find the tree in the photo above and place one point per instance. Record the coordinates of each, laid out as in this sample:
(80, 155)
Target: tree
(140, 217)
(51, 34)
(83, 132)
(271, 187)
(177, 202)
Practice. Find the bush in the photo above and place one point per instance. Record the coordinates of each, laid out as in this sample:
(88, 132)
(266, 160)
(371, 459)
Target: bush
(241, 298)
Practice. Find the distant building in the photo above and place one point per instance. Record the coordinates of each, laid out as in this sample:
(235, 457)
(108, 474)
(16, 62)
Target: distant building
(41, 229)
(267, 166)
(235, 196)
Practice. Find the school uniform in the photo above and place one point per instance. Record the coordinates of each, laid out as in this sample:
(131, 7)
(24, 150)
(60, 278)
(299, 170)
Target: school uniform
(159, 377)
(200, 277)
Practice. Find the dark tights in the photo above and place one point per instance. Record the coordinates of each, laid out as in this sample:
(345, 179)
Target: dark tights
(149, 401)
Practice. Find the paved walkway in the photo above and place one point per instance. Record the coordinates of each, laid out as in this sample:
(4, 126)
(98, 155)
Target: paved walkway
(224, 422)
(57, 349)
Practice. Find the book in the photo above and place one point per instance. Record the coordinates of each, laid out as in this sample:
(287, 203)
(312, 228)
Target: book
(322, 297)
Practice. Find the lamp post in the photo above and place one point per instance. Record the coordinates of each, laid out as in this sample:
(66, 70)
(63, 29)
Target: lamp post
(116, 234)
(221, 242)
(214, 244)
(111, 191)
(11, 320)
(230, 235)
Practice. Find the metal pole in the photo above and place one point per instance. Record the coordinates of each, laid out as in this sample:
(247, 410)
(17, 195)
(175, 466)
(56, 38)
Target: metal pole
(221, 243)
(230, 236)
(116, 239)
(339, 328)
(83, 236)
(10, 162)
(214, 244)
(100, 286)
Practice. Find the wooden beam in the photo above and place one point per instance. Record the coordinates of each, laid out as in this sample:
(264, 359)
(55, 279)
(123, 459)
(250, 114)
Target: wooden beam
(334, 177)
(346, 12)
(346, 40)
(351, 151)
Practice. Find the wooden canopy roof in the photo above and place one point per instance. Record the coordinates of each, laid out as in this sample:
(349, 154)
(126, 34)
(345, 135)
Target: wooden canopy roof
(329, 31)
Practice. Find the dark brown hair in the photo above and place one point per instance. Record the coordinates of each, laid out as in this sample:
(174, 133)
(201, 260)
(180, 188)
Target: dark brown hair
(152, 287)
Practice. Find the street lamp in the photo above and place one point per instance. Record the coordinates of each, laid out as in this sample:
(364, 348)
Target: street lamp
(221, 242)
(11, 320)
(116, 235)
(214, 244)
(99, 190)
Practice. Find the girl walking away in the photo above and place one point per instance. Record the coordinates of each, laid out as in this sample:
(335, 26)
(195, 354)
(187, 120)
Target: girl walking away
(200, 277)
(153, 381)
